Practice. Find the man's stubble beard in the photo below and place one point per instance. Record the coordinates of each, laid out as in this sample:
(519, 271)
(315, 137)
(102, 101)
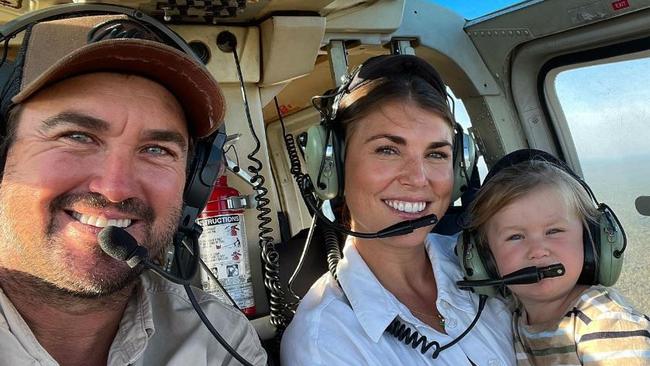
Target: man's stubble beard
(43, 269)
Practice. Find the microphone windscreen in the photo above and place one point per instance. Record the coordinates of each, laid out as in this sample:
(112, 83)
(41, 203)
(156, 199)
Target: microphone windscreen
(642, 204)
(117, 243)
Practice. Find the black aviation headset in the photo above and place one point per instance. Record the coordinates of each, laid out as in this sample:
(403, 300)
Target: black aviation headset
(207, 159)
(325, 145)
(604, 239)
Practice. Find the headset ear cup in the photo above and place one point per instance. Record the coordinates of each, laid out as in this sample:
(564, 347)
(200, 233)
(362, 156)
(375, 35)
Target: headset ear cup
(591, 241)
(464, 160)
(472, 263)
(612, 242)
(204, 169)
(321, 162)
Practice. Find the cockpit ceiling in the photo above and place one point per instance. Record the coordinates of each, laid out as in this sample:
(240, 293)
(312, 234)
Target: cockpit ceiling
(201, 11)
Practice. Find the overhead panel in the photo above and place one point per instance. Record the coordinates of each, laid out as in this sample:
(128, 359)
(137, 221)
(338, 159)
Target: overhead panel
(383, 16)
(221, 64)
(201, 11)
(290, 45)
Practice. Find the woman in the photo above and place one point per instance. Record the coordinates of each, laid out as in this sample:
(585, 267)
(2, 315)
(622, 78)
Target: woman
(399, 135)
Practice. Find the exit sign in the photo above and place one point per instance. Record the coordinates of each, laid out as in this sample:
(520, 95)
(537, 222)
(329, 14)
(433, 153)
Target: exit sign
(620, 4)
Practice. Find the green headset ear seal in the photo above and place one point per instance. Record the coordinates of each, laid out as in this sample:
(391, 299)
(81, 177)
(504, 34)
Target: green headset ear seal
(320, 156)
(612, 244)
(464, 160)
(472, 264)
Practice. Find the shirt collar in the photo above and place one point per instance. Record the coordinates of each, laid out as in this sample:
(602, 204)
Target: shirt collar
(136, 326)
(447, 271)
(17, 326)
(375, 307)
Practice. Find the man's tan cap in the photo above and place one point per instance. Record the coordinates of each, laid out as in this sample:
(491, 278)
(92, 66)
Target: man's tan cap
(59, 49)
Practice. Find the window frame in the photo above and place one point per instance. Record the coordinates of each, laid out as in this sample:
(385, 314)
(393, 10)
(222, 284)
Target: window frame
(549, 101)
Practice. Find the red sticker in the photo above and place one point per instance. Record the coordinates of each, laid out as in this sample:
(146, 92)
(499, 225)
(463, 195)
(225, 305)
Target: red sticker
(620, 4)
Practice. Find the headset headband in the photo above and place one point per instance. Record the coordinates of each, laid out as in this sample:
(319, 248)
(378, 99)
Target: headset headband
(524, 155)
(380, 67)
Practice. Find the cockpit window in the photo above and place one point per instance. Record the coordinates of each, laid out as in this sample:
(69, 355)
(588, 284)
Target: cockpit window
(606, 110)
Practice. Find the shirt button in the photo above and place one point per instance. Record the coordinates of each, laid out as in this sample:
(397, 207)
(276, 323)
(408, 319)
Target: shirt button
(494, 362)
(450, 323)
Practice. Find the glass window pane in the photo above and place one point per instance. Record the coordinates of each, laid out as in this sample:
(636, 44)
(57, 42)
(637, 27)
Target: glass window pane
(460, 113)
(607, 111)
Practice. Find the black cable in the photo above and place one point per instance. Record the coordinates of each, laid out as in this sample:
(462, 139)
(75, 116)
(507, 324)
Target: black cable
(290, 143)
(120, 245)
(234, 150)
(5, 51)
(301, 261)
(414, 339)
(332, 245)
(203, 317)
(333, 249)
(211, 328)
(216, 280)
(270, 256)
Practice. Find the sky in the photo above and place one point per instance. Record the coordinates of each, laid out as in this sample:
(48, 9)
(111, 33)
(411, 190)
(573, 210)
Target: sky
(607, 108)
(472, 9)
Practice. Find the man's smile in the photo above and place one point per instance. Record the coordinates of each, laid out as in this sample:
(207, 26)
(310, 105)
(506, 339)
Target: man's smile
(100, 221)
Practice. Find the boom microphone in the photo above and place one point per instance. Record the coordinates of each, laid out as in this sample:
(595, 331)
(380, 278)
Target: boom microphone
(120, 245)
(400, 228)
(523, 276)
(307, 192)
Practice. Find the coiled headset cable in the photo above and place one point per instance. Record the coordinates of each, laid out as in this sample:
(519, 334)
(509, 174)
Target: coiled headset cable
(414, 339)
(299, 177)
(332, 245)
(227, 42)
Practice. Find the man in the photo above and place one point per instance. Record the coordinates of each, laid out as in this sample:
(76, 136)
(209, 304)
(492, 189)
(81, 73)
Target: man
(97, 131)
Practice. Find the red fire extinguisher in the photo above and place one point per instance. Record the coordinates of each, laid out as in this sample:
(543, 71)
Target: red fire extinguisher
(224, 248)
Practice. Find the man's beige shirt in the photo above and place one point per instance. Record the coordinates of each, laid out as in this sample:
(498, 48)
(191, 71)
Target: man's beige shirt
(159, 327)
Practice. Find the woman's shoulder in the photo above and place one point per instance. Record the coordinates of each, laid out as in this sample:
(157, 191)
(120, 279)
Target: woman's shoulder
(324, 320)
(323, 306)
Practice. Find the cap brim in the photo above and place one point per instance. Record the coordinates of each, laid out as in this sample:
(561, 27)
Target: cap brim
(196, 90)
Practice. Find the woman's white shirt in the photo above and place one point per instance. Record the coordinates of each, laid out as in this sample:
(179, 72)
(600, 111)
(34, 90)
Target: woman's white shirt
(347, 327)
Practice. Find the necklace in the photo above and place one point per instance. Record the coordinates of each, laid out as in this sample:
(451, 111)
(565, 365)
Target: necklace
(437, 316)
